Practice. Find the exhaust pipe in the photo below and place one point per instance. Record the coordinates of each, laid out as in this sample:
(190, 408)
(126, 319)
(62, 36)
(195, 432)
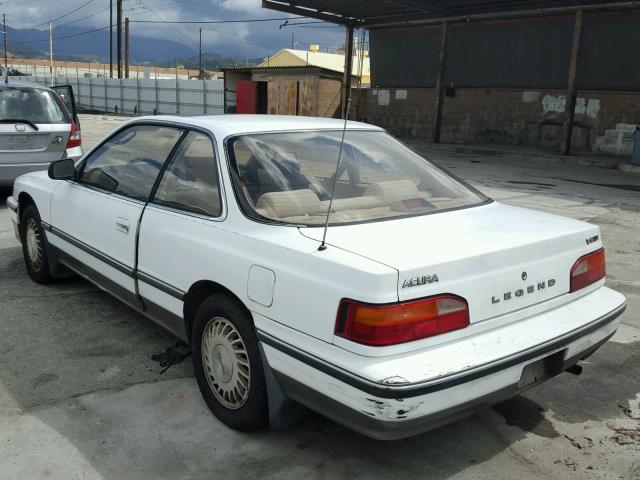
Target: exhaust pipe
(575, 369)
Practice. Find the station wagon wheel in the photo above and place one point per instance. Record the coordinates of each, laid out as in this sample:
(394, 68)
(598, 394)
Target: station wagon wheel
(34, 246)
(227, 363)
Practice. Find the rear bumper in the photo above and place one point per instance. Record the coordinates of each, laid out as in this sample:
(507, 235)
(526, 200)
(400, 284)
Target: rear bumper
(10, 171)
(392, 411)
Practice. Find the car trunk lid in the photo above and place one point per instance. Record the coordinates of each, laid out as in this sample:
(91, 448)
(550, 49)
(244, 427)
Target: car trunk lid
(498, 258)
(21, 143)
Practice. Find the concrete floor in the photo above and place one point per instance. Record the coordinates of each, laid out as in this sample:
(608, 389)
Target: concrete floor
(80, 397)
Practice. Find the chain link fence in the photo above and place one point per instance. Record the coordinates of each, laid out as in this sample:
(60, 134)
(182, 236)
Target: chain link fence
(139, 96)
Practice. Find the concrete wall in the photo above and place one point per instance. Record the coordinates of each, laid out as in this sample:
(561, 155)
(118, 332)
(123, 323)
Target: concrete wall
(604, 121)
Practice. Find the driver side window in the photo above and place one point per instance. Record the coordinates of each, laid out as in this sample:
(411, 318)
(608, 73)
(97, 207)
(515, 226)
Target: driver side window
(129, 162)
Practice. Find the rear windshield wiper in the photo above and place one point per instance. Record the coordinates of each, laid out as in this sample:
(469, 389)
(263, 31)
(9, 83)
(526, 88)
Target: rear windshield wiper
(20, 120)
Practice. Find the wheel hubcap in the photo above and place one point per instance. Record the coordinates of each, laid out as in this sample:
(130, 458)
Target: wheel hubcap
(33, 244)
(226, 363)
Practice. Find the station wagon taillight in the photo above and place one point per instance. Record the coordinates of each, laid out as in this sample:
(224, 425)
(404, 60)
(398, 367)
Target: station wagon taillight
(588, 269)
(75, 139)
(380, 325)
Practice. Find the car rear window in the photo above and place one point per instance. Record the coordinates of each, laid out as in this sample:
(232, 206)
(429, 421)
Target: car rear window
(32, 104)
(288, 178)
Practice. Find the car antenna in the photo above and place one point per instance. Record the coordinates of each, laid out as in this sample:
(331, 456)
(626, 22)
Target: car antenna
(323, 245)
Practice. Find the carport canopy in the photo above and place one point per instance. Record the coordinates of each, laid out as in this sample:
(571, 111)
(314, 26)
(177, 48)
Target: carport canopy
(380, 12)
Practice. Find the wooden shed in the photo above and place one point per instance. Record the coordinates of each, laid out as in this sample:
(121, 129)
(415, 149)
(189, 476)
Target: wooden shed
(291, 90)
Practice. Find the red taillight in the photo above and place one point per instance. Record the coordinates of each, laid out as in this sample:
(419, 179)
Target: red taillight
(380, 325)
(588, 269)
(74, 137)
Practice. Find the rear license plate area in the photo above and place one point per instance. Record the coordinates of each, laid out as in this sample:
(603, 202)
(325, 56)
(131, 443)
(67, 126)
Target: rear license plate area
(541, 370)
(20, 142)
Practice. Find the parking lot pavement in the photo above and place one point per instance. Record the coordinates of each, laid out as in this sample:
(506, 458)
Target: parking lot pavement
(80, 397)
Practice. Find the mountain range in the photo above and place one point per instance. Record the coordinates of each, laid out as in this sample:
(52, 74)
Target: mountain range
(71, 44)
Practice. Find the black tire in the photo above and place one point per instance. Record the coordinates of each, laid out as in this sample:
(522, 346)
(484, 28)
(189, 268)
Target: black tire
(221, 312)
(34, 246)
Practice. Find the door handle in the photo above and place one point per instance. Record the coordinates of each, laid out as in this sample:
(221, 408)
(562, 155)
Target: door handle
(122, 225)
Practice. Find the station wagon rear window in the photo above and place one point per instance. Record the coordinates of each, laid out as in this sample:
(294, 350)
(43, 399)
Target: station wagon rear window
(32, 104)
(288, 177)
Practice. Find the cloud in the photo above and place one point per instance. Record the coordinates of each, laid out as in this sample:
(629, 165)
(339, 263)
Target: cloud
(249, 6)
(256, 40)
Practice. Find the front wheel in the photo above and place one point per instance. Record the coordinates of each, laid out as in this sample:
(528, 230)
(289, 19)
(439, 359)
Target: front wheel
(34, 246)
(227, 363)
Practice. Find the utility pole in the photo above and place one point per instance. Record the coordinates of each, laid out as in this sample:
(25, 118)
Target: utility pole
(119, 34)
(4, 41)
(200, 72)
(110, 38)
(51, 51)
(126, 47)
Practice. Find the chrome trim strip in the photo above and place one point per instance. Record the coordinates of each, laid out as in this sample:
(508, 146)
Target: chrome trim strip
(442, 383)
(160, 285)
(112, 262)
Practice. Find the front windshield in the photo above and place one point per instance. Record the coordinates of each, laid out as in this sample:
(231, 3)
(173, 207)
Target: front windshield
(287, 178)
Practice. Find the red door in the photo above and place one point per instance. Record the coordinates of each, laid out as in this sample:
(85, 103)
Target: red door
(246, 96)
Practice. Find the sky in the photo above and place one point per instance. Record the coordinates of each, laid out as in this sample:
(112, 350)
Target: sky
(254, 40)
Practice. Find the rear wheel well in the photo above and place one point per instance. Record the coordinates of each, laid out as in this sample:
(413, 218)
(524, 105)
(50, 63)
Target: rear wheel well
(198, 292)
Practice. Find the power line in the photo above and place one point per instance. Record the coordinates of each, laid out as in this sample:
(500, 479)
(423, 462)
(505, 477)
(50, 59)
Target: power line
(66, 36)
(252, 20)
(82, 18)
(61, 16)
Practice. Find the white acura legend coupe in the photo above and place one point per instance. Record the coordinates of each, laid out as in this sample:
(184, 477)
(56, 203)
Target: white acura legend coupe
(427, 300)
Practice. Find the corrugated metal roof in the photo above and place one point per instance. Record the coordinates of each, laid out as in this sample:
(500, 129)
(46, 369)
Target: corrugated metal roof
(328, 61)
(369, 12)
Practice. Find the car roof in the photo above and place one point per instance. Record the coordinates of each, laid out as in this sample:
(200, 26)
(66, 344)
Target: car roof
(233, 124)
(22, 83)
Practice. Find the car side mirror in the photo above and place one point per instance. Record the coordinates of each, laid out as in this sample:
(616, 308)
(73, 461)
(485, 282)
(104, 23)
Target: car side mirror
(62, 169)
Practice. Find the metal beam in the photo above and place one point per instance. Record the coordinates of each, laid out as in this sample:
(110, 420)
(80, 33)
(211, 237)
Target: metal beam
(439, 86)
(572, 93)
(399, 19)
(348, 70)
(307, 12)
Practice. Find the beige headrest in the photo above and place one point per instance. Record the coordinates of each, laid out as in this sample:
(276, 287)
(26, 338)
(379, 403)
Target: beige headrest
(289, 204)
(393, 191)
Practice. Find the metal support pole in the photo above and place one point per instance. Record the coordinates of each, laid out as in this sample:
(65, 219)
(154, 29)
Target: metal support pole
(119, 36)
(177, 91)
(51, 51)
(126, 47)
(138, 93)
(204, 96)
(121, 97)
(90, 90)
(572, 93)
(4, 41)
(110, 38)
(156, 110)
(348, 70)
(200, 73)
(439, 86)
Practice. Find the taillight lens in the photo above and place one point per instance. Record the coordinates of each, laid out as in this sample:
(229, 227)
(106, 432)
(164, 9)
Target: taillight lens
(588, 269)
(74, 137)
(380, 325)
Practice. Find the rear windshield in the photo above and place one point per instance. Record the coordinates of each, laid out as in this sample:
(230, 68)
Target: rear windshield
(288, 178)
(31, 104)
